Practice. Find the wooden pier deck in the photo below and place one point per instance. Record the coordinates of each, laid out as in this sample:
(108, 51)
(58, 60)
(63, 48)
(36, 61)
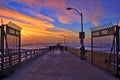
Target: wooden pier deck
(59, 66)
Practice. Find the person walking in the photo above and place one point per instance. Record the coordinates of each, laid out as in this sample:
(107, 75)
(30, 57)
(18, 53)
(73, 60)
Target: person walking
(50, 48)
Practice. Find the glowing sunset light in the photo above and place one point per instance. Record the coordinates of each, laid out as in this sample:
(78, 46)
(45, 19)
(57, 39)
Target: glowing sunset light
(44, 20)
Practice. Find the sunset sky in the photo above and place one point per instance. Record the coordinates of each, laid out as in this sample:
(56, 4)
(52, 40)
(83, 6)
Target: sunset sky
(48, 20)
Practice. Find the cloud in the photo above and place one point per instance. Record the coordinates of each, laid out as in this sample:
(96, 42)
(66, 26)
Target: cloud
(43, 3)
(59, 6)
(41, 23)
(64, 19)
(40, 16)
(10, 14)
(92, 11)
(33, 29)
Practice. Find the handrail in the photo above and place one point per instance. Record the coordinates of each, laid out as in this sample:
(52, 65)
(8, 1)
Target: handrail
(15, 63)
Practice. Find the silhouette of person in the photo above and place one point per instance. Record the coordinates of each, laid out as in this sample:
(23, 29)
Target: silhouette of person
(62, 49)
(50, 48)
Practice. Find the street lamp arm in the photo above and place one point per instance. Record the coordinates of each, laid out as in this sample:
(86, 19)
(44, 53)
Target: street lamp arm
(69, 8)
(81, 18)
(77, 11)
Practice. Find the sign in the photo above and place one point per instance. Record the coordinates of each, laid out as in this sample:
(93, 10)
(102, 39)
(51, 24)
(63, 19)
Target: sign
(103, 32)
(12, 31)
(81, 35)
(14, 26)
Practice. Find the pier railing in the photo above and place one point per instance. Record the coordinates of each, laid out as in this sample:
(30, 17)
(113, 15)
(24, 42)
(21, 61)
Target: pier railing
(10, 62)
(100, 59)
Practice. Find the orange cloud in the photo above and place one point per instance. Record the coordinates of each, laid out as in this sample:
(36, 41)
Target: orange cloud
(33, 29)
(23, 18)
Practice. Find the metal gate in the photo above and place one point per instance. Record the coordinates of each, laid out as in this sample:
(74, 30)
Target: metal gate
(105, 47)
(10, 36)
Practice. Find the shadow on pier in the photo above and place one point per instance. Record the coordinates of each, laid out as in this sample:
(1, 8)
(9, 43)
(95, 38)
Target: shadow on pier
(58, 66)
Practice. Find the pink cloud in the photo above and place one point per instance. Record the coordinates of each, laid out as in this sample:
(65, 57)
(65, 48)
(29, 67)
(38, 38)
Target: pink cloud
(10, 14)
(92, 10)
(58, 4)
(33, 28)
(44, 17)
(64, 19)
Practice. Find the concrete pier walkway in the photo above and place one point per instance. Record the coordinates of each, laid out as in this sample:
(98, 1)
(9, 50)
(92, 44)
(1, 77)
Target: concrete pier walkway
(59, 66)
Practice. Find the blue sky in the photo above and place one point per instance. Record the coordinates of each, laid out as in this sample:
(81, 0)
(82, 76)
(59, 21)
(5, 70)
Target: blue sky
(46, 20)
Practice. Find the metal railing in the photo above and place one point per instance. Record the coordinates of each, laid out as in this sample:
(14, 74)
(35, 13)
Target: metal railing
(11, 62)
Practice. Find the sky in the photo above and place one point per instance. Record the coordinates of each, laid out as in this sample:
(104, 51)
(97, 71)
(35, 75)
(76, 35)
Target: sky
(48, 21)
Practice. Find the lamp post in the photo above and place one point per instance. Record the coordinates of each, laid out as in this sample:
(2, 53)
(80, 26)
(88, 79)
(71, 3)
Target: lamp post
(64, 40)
(81, 34)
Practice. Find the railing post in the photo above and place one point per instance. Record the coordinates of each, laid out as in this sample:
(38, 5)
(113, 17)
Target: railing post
(26, 55)
(117, 49)
(2, 49)
(30, 54)
(91, 49)
(34, 53)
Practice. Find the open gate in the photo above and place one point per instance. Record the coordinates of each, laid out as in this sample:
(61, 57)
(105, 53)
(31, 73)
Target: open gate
(105, 47)
(10, 58)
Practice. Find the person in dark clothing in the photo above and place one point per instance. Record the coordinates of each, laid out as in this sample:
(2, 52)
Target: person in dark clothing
(62, 49)
(65, 48)
(50, 48)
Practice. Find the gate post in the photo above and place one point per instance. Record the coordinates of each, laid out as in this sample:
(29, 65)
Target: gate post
(2, 50)
(91, 49)
(117, 50)
(19, 48)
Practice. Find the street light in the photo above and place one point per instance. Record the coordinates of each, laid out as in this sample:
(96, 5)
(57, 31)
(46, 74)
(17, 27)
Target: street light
(81, 34)
(64, 40)
(69, 8)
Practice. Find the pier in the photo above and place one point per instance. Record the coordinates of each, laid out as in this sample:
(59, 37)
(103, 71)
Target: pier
(59, 66)
(58, 61)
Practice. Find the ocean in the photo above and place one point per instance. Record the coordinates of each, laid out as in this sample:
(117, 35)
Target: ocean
(97, 47)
